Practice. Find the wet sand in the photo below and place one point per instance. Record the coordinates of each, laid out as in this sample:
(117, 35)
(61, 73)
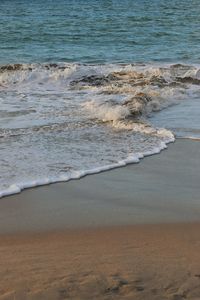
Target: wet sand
(131, 233)
(161, 188)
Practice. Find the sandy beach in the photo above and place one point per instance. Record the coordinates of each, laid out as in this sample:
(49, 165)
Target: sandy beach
(130, 233)
(136, 262)
(99, 150)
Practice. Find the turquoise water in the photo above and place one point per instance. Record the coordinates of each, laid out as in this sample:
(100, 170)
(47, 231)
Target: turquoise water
(99, 31)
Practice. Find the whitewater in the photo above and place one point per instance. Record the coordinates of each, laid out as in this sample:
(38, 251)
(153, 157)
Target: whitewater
(62, 121)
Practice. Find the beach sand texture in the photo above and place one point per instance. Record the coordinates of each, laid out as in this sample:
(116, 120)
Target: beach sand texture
(99, 255)
(139, 262)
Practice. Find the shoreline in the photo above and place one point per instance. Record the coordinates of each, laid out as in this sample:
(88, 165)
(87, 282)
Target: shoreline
(162, 188)
(129, 233)
(133, 159)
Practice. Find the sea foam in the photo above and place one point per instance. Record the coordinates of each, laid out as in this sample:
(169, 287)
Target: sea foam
(17, 188)
(63, 121)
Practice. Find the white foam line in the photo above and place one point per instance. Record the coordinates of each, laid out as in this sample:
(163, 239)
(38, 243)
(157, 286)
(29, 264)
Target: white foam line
(17, 188)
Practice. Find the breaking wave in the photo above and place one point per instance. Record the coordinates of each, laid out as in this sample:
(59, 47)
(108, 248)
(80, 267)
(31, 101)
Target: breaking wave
(62, 121)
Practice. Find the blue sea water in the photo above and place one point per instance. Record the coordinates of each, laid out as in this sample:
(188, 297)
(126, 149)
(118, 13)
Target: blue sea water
(86, 86)
(99, 31)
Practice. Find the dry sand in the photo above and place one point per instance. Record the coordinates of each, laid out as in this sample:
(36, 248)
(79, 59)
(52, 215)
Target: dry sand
(136, 262)
(95, 238)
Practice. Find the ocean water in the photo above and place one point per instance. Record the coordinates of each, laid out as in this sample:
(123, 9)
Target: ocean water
(86, 86)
